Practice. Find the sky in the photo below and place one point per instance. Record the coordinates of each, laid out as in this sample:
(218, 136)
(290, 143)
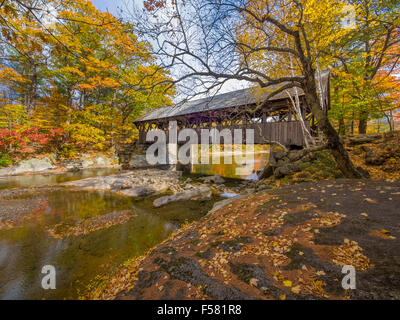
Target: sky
(113, 5)
(104, 5)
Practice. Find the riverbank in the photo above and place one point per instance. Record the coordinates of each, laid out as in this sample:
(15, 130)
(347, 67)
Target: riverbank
(48, 164)
(278, 238)
(85, 234)
(19, 205)
(287, 243)
(284, 237)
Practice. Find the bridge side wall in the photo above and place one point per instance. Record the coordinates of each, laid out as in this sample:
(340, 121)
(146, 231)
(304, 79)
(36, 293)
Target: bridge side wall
(286, 133)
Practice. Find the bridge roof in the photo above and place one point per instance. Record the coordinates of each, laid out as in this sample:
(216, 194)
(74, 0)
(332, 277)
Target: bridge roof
(239, 98)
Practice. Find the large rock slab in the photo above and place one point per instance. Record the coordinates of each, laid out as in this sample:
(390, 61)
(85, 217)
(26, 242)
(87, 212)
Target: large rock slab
(223, 203)
(217, 179)
(138, 192)
(248, 243)
(138, 183)
(138, 161)
(5, 172)
(86, 161)
(32, 165)
(101, 161)
(197, 194)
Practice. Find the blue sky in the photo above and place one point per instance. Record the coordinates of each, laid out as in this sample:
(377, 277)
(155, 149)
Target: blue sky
(103, 5)
(112, 5)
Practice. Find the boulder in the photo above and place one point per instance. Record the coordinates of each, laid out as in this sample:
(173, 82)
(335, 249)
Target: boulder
(363, 139)
(267, 172)
(278, 153)
(373, 159)
(87, 164)
(138, 161)
(297, 155)
(364, 172)
(5, 171)
(217, 179)
(223, 203)
(33, 165)
(138, 192)
(285, 170)
(121, 184)
(138, 183)
(201, 193)
(102, 162)
(282, 162)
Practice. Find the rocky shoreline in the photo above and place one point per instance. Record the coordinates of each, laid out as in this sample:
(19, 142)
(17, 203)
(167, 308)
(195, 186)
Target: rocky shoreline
(164, 186)
(287, 243)
(48, 165)
(170, 185)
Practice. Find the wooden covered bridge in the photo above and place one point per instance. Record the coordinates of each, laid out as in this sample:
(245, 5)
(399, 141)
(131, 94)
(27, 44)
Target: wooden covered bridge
(272, 120)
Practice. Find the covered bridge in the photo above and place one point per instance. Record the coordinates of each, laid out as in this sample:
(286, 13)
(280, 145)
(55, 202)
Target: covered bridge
(272, 120)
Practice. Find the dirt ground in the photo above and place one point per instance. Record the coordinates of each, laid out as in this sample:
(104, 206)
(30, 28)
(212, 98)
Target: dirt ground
(286, 243)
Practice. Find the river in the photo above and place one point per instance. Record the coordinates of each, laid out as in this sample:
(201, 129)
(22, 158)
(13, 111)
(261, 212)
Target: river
(78, 260)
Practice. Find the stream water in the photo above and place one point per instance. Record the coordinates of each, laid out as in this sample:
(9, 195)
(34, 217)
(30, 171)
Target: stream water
(234, 170)
(43, 179)
(24, 250)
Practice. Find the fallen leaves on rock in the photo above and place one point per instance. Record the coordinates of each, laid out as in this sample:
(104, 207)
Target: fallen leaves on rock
(350, 254)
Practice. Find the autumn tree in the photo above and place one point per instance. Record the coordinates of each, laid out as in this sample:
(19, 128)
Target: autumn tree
(367, 60)
(210, 42)
(107, 78)
(67, 65)
(23, 42)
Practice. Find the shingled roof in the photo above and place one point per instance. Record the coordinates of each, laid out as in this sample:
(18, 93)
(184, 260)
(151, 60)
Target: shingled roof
(243, 97)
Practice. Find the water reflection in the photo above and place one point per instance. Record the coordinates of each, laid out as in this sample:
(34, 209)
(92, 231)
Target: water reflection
(44, 179)
(247, 171)
(25, 250)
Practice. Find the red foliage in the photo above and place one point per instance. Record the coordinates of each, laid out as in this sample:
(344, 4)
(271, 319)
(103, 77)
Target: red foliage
(22, 140)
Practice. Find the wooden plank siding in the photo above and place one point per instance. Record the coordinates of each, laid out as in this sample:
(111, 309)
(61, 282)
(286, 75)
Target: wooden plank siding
(286, 133)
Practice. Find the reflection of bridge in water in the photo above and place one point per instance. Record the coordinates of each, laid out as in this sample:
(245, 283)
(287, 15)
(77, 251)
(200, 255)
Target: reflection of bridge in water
(247, 171)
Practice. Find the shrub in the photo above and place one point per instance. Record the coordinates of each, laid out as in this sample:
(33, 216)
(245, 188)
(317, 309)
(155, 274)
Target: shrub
(5, 160)
(25, 140)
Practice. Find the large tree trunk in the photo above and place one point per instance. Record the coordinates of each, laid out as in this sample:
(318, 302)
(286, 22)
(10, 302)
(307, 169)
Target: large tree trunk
(334, 143)
(342, 126)
(362, 127)
(31, 95)
(339, 152)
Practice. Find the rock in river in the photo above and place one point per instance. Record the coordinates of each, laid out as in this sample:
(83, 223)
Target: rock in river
(198, 194)
(138, 192)
(32, 165)
(138, 183)
(102, 162)
(217, 179)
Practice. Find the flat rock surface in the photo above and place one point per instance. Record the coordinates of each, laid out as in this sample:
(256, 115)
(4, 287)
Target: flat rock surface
(31, 165)
(138, 183)
(201, 193)
(287, 243)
